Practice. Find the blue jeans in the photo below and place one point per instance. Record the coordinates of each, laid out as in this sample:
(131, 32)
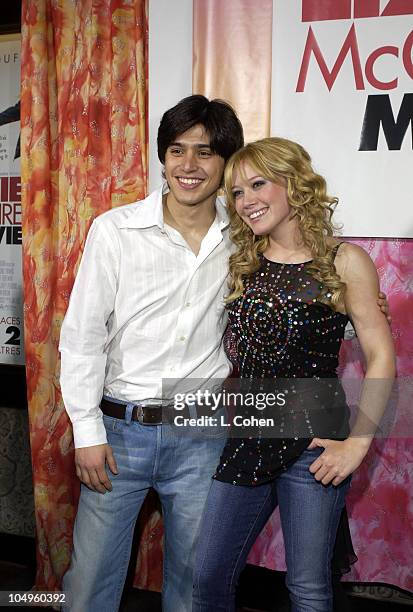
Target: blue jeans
(178, 465)
(235, 515)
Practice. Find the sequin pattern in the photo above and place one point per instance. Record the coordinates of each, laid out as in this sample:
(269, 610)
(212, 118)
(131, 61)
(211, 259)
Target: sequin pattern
(283, 331)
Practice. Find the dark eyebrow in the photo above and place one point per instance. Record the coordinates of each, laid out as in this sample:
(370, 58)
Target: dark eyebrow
(198, 145)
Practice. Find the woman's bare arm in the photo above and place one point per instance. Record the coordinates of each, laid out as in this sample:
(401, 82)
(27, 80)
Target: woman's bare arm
(340, 459)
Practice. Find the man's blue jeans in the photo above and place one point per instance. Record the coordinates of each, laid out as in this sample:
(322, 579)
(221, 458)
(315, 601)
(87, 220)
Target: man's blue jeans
(178, 465)
(235, 515)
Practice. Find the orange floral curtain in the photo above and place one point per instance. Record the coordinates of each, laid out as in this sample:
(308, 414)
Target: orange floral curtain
(84, 150)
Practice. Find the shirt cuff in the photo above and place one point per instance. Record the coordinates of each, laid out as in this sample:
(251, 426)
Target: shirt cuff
(89, 433)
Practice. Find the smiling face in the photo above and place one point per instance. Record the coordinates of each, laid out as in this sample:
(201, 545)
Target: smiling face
(261, 203)
(192, 170)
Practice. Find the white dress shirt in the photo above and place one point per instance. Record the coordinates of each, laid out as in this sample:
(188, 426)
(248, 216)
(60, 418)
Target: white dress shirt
(143, 308)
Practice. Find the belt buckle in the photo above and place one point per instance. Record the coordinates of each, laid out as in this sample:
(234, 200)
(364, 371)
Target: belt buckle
(140, 415)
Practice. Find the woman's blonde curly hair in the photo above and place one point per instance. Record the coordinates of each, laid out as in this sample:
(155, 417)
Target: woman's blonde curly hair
(286, 163)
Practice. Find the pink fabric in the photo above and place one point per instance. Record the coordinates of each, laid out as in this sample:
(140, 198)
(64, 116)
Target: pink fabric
(380, 502)
(226, 54)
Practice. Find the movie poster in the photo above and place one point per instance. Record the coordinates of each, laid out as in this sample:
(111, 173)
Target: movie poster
(11, 286)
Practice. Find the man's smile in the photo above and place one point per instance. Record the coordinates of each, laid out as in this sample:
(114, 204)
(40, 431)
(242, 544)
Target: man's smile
(188, 183)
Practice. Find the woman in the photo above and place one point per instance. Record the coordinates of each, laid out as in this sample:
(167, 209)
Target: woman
(293, 288)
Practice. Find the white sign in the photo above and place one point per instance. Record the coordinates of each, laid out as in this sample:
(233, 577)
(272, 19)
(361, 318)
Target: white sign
(170, 68)
(342, 86)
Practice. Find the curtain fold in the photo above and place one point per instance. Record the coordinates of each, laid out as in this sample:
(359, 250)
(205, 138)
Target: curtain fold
(84, 151)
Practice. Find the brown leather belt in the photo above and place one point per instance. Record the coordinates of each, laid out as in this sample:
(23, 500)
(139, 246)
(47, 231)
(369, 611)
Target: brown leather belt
(146, 415)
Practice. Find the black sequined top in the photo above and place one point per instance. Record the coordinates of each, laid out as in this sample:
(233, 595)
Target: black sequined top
(284, 329)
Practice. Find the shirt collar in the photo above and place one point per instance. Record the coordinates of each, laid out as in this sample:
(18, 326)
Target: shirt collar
(222, 212)
(149, 212)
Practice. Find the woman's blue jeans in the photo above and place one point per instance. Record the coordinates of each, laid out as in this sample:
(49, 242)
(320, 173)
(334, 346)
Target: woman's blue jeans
(234, 516)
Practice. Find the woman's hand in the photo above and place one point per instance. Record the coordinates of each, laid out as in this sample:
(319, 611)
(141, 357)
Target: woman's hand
(384, 306)
(339, 459)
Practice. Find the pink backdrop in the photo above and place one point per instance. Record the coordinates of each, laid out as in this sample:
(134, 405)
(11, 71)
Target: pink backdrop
(380, 502)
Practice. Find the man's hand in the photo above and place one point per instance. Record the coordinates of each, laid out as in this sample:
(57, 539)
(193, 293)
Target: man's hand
(91, 466)
(339, 459)
(384, 305)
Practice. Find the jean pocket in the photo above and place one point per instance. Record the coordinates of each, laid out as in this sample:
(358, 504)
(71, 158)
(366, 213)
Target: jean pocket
(112, 425)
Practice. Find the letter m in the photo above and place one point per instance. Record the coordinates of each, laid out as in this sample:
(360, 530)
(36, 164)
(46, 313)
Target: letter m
(379, 112)
(311, 46)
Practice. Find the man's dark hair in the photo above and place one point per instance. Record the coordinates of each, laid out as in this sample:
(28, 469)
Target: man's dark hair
(218, 118)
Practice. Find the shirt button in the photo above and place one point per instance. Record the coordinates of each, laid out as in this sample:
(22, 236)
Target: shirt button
(182, 338)
(188, 304)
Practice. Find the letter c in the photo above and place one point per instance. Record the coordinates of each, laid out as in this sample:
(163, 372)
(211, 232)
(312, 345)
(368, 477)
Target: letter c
(371, 60)
(407, 55)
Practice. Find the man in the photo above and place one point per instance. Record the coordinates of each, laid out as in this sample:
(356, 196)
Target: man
(147, 305)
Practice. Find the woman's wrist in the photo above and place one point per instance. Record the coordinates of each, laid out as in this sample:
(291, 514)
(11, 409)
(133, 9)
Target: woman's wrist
(360, 442)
